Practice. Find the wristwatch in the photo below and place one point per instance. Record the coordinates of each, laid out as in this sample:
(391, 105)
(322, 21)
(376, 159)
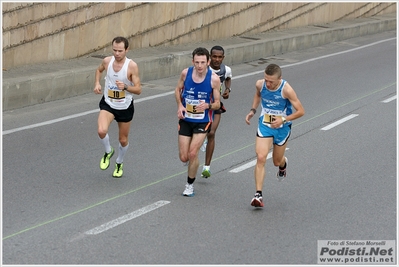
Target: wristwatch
(228, 89)
(284, 120)
(125, 88)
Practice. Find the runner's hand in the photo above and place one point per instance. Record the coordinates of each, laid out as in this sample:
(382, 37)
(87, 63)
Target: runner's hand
(180, 112)
(248, 117)
(120, 85)
(97, 89)
(226, 94)
(276, 122)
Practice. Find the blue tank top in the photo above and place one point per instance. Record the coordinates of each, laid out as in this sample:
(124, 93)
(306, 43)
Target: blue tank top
(195, 93)
(274, 104)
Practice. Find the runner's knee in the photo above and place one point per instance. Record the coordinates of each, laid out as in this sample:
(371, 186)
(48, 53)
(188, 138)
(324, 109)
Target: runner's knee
(102, 132)
(123, 140)
(260, 158)
(211, 134)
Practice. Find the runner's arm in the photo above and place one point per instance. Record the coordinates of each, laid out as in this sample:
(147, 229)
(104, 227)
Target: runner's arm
(98, 74)
(227, 83)
(255, 102)
(134, 78)
(290, 94)
(178, 93)
(215, 83)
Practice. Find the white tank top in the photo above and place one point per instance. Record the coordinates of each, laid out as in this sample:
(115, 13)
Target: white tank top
(117, 99)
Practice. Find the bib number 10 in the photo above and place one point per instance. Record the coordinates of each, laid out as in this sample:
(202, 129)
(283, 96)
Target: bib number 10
(116, 94)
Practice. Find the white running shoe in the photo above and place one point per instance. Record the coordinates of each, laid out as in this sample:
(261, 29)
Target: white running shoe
(257, 201)
(189, 191)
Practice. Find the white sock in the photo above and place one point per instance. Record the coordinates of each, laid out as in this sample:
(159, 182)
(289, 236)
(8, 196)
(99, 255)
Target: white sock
(106, 143)
(122, 152)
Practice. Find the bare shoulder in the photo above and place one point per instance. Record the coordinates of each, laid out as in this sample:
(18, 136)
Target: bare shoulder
(215, 80)
(287, 86)
(104, 64)
(288, 91)
(132, 64)
(184, 73)
(215, 76)
(106, 60)
(182, 78)
(259, 84)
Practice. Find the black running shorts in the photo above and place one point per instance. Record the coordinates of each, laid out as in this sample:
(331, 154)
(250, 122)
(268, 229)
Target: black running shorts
(189, 128)
(123, 115)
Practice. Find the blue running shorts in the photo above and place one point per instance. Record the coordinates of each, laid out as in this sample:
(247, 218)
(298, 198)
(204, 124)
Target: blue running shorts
(280, 135)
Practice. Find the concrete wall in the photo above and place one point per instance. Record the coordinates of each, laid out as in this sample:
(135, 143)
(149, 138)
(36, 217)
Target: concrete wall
(36, 33)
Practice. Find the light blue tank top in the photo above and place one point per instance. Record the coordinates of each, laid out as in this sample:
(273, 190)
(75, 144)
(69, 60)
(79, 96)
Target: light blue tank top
(273, 103)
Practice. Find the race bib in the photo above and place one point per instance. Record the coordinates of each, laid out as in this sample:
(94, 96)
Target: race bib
(116, 94)
(191, 111)
(268, 119)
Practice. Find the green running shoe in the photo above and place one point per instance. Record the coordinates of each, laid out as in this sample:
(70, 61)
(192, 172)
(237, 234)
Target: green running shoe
(104, 163)
(206, 173)
(118, 170)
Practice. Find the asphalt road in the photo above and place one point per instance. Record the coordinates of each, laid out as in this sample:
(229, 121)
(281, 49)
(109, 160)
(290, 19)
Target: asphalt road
(341, 184)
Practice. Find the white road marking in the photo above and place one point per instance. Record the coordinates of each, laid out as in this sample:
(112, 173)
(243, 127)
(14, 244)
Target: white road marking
(172, 92)
(250, 164)
(389, 99)
(332, 125)
(317, 58)
(77, 115)
(125, 218)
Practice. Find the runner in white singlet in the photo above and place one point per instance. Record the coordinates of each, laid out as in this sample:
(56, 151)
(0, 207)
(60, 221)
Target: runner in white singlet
(121, 83)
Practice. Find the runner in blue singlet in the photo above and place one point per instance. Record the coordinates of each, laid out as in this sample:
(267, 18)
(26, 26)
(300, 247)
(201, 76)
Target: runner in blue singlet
(197, 96)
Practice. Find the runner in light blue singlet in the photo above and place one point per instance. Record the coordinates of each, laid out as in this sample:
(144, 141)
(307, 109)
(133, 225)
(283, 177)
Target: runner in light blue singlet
(274, 104)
